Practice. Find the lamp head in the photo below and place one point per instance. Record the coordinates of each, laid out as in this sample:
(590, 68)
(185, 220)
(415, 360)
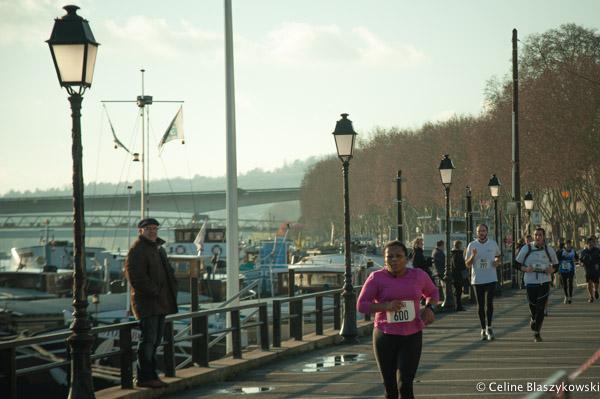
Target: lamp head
(528, 199)
(494, 186)
(446, 167)
(73, 50)
(344, 136)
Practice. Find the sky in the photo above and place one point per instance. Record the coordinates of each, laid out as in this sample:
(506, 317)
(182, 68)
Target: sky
(298, 66)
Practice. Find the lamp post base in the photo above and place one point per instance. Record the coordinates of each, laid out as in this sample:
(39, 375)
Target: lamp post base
(449, 304)
(349, 331)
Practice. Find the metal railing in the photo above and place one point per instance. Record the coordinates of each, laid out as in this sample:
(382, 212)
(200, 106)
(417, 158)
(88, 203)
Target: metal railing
(199, 336)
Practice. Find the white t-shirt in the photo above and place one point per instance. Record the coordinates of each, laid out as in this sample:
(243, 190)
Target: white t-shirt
(483, 270)
(539, 260)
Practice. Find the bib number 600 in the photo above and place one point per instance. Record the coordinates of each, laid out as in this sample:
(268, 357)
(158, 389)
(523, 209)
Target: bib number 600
(401, 315)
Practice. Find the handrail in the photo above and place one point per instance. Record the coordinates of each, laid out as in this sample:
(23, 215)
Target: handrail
(199, 336)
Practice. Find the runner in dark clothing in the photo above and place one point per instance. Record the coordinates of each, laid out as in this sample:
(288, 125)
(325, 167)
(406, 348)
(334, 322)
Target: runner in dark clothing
(590, 257)
(459, 273)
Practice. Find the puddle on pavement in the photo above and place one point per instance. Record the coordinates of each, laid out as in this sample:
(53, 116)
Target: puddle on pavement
(247, 390)
(332, 361)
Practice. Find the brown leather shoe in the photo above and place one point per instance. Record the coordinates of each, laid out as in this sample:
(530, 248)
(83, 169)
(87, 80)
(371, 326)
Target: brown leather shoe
(157, 383)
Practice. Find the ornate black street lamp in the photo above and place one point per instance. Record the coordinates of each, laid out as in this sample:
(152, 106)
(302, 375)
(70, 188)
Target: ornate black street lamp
(345, 136)
(494, 185)
(73, 50)
(528, 200)
(469, 220)
(446, 168)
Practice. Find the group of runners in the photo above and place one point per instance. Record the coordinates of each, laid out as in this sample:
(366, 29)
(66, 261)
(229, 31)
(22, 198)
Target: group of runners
(396, 293)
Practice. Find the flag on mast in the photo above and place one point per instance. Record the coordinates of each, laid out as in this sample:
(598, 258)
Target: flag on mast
(174, 131)
(115, 139)
(199, 240)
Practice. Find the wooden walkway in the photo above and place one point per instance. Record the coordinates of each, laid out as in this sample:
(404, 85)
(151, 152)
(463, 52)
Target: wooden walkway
(454, 364)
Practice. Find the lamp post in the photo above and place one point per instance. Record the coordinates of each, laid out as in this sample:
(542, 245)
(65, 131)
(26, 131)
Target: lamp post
(400, 229)
(528, 200)
(446, 167)
(469, 220)
(494, 185)
(73, 50)
(345, 136)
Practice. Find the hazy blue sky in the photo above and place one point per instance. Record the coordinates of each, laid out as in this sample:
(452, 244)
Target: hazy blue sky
(298, 65)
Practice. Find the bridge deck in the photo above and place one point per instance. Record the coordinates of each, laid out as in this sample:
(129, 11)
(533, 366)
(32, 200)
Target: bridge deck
(453, 359)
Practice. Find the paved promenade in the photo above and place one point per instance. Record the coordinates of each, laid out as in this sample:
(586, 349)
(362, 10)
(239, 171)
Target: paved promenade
(454, 361)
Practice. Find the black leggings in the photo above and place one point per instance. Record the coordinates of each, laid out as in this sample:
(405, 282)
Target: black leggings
(567, 283)
(458, 291)
(537, 294)
(397, 353)
(485, 294)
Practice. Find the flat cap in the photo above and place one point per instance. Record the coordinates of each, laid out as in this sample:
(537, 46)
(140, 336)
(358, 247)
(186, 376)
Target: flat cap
(148, 222)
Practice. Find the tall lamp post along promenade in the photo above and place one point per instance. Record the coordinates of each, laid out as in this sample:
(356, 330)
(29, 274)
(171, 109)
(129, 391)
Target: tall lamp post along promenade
(528, 200)
(446, 167)
(345, 137)
(494, 185)
(73, 50)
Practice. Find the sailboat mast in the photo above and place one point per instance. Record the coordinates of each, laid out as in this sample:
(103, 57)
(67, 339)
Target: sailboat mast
(143, 155)
(142, 101)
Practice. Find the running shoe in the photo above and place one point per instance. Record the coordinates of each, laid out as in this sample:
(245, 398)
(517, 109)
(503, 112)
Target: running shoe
(483, 335)
(490, 334)
(590, 300)
(537, 338)
(569, 300)
(596, 295)
(532, 325)
(566, 300)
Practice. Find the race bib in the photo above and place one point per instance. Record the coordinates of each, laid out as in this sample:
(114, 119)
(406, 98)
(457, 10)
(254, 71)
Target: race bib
(483, 263)
(406, 314)
(565, 266)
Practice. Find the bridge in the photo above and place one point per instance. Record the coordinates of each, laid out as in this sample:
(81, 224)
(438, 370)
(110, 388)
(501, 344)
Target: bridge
(297, 356)
(112, 209)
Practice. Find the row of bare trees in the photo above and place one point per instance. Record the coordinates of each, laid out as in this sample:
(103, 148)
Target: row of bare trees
(559, 143)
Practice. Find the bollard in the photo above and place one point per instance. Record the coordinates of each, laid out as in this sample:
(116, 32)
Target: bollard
(126, 357)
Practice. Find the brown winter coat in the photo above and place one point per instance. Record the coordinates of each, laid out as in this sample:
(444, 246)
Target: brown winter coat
(153, 284)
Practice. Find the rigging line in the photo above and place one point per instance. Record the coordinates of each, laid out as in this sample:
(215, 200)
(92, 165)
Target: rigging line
(151, 129)
(94, 189)
(116, 191)
(187, 161)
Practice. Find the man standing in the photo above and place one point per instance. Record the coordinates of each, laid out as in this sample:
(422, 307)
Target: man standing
(482, 257)
(439, 262)
(537, 261)
(153, 296)
(590, 257)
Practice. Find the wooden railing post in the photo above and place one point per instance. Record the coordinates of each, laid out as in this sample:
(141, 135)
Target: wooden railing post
(202, 342)
(126, 357)
(296, 319)
(8, 371)
(319, 315)
(263, 317)
(276, 323)
(236, 334)
(169, 350)
(337, 313)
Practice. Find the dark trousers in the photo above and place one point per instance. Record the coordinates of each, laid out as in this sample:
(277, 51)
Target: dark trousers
(458, 291)
(567, 283)
(485, 302)
(397, 353)
(537, 295)
(152, 330)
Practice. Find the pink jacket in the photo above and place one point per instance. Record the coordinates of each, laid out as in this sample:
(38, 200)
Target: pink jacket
(381, 287)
